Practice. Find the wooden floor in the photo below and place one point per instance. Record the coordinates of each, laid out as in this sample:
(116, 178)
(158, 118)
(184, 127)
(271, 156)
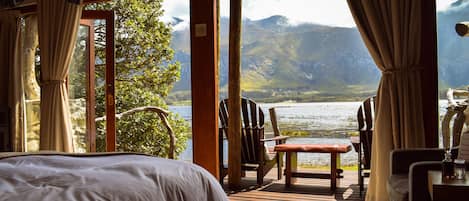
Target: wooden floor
(304, 190)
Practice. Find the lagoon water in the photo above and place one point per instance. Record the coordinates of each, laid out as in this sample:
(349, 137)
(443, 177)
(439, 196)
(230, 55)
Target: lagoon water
(334, 118)
(313, 159)
(315, 117)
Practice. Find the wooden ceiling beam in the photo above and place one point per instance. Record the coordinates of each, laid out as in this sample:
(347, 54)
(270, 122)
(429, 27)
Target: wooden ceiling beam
(31, 6)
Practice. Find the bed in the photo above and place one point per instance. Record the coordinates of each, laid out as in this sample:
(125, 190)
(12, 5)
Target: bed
(110, 176)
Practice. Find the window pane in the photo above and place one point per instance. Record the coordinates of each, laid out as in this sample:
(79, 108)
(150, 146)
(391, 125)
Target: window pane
(453, 51)
(77, 88)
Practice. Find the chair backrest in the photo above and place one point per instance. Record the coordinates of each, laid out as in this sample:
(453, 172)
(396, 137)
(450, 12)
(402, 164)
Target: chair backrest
(365, 119)
(273, 121)
(456, 116)
(365, 114)
(252, 118)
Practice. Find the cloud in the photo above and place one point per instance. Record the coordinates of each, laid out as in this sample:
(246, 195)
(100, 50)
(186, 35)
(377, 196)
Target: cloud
(444, 4)
(179, 9)
(330, 12)
(327, 12)
(176, 8)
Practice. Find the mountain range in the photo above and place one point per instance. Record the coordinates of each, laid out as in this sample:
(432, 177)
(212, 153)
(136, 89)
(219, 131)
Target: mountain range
(453, 50)
(311, 60)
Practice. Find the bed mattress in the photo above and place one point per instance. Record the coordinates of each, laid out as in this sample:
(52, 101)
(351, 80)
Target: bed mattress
(113, 176)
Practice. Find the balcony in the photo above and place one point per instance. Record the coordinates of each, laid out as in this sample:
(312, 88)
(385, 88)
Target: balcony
(305, 189)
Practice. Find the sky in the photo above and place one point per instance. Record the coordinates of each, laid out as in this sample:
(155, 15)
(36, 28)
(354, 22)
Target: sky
(326, 12)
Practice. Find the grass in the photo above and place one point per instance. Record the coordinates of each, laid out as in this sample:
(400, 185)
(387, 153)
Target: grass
(296, 133)
(267, 95)
(352, 133)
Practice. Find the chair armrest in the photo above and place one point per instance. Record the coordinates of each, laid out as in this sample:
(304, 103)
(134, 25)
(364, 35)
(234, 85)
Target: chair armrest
(402, 159)
(418, 179)
(280, 139)
(355, 140)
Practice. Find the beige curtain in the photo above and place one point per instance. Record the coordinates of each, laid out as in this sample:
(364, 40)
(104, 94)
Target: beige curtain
(391, 29)
(58, 22)
(10, 53)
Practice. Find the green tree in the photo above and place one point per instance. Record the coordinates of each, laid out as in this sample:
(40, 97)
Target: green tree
(145, 75)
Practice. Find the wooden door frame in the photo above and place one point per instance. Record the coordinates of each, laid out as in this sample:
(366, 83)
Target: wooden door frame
(429, 81)
(204, 61)
(90, 86)
(108, 16)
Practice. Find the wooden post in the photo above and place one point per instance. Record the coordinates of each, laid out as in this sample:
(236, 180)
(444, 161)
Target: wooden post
(429, 59)
(204, 84)
(234, 96)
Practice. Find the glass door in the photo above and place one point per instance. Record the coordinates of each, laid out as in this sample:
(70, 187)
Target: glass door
(91, 84)
(81, 90)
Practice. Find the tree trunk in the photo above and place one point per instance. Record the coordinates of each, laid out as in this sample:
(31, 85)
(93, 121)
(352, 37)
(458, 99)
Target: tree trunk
(31, 87)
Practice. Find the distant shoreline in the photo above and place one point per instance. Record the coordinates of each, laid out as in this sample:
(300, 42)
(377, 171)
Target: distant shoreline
(286, 100)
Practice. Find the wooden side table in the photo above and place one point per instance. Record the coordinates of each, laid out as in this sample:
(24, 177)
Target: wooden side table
(447, 190)
(291, 170)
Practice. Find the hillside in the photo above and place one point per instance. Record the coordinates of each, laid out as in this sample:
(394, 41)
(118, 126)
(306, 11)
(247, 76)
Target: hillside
(314, 62)
(453, 51)
(278, 57)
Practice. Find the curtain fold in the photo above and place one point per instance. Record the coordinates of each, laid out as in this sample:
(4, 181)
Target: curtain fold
(10, 56)
(391, 30)
(58, 22)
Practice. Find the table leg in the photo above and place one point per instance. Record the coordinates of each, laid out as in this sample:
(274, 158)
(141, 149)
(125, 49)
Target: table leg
(291, 166)
(339, 170)
(333, 171)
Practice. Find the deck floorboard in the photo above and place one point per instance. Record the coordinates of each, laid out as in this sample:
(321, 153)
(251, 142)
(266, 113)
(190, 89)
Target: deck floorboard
(305, 189)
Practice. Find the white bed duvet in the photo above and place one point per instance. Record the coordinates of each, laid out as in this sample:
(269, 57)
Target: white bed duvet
(104, 177)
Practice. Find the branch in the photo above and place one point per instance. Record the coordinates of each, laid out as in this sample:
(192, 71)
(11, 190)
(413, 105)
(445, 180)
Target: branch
(162, 113)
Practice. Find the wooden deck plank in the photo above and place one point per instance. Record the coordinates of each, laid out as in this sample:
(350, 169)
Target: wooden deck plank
(305, 189)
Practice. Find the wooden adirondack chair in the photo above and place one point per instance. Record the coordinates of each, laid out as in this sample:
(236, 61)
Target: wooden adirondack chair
(365, 118)
(254, 155)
